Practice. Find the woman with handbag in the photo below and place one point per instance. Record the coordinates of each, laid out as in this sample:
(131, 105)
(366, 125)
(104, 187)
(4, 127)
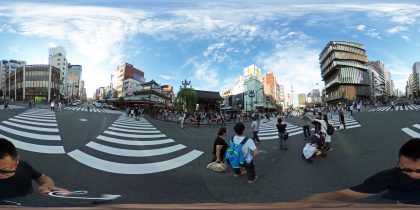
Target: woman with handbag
(283, 135)
(219, 150)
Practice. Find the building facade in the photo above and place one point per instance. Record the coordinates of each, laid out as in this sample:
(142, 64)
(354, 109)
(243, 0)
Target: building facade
(7, 67)
(74, 75)
(57, 58)
(344, 71)
(302, 99)
(31, 82)
(416, 80)
(122, 73)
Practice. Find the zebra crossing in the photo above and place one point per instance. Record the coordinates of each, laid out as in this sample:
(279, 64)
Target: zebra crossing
(133, 147)
(410, 107)
(93, 109)
(11, 107)
(268, 130)
(411, 132)
(349, 120)
(35, 130)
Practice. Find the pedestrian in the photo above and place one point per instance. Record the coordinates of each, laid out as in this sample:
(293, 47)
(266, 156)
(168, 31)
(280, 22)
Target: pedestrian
(248, 151)
(30, 104)
(255, 128)
(329, 114)
(305, 122)
(342, 121)
(220, 146)
(16, 175)
(358, 107)
(132, 112)
(351, 110)
(136, 113)
(59, 106)
(52, 105)
(181, 120)
(127, 111)
(324, 126)
(400, 183)
(392, 106)
(281, 128)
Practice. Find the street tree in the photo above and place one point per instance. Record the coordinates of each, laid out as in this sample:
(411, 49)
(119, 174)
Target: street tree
(187, 99)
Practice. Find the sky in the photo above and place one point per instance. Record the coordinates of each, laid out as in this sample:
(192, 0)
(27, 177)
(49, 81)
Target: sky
(210, 42)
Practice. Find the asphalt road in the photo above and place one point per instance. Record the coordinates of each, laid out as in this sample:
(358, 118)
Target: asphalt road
(358, 153)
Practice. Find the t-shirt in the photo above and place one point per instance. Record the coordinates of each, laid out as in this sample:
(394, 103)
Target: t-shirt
(281, 128)
(398, 184)
(219, 141)
(20, 184)
(254, 126)
(247, 149)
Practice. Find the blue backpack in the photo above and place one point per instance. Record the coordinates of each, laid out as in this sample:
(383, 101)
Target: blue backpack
(234, 154)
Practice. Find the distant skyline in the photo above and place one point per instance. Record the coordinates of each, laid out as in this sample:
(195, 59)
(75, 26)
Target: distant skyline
(210, 42)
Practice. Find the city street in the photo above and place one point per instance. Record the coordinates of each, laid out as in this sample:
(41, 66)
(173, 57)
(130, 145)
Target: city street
(150, 161)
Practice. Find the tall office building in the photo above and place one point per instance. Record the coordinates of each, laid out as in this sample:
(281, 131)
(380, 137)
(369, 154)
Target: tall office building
(344, 71)
(122, 73)
(57, 58)
(7, 68)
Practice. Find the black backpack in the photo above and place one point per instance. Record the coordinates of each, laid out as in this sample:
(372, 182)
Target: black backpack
(330, 129)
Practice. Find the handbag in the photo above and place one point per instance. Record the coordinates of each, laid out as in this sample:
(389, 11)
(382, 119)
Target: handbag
(286, 135)
(218, 167)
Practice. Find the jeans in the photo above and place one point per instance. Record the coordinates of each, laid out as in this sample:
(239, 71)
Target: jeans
(250, 171)
(306, 131)
(255, 137)
(282, 142)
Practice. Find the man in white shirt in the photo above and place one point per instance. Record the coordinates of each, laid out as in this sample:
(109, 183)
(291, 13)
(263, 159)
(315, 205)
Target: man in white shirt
(52, 105)
(249, 151)
(255, 128)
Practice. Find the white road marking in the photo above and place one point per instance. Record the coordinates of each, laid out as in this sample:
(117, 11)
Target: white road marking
(31, 127)
(36, 147)
(123, 168)
(134, 153)
(411, 132)
(134, 135)
(136, 143)
(133, 131)
(31, 135)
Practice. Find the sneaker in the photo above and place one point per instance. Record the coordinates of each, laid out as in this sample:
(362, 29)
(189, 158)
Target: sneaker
(329, 149)
(253, 181)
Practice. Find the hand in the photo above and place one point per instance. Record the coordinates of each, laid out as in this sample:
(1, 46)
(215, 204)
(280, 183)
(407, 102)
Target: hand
(46, 189)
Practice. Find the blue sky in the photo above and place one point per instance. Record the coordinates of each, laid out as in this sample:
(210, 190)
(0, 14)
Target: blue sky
(209, 42)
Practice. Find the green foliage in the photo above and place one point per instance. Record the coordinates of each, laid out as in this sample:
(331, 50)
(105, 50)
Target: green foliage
(186, 99)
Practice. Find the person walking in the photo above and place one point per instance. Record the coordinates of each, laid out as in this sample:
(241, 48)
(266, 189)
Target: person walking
(52, 105)
(392, 106)
(341, 116)
(305, 122)
(358, 107)
(255, 128)
(351, 110)
(59, 106)
(281, 128)
(132, 112)
(181, 120)
(127, 111)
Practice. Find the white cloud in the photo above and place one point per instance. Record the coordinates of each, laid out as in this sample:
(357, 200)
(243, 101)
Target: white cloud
(405, 37)
(373, 33)
(397, 29)
(361, 27)
(298, 64)
(14, 49)
(166, 77)
(7, 28)
(206, 76)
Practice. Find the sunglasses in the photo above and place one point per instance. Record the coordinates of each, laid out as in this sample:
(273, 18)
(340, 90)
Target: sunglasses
(2, 171)
(7, 171)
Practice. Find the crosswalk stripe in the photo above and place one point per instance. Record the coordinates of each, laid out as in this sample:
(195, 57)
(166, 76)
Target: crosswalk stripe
(416, 126)
(134, 153)
(135, 135)
(35, 119)
(411, 132)
(31, 135)
(134, 143)
(134, 127)
(36, 147)
(132, 131)
(33, 122)
(123, 168)
(38, 117)
(31, 127)
(134, 124)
